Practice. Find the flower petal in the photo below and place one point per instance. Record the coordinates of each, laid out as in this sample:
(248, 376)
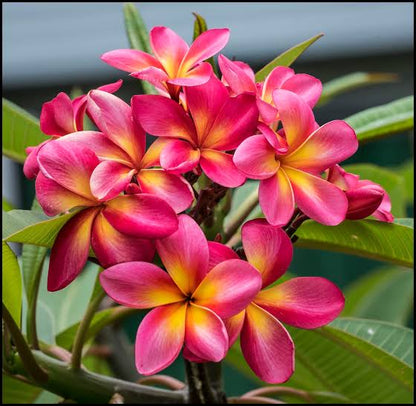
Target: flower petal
(190, 356)
(228, 288)
(275, 138)
(305, 302)
(256, 158)
(328, 145)
(219, 253)
(112, 247)
(185, 254)
(157, 77)
(234, 325)
(172, 188)
(111, 87)
(152, 155)
(160, 338)
(195, 77)
(317, 198)
(306, 86)
(141, 215)
(130, 60)
(109, 179)
(276, 198)
(205, 335)
(57, 116)
(31, 166)
(275, 80)
(267, 346)
(179, 156)
(383, 211)
(364, 201)
(70, 250)
(268, 113)
(140, 285)
(267, 248)
(220, 168)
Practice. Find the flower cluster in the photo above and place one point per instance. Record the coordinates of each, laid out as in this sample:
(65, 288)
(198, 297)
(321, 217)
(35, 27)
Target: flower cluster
(128, 202)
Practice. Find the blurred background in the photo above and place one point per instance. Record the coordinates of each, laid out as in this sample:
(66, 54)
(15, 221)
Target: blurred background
(54, 47)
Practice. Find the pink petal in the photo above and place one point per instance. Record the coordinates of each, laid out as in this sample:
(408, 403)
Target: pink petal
(267, 346)
(195, 77)
(55, 199)
(69, 252)
(256, 158)
(205, 45)
(111, 87)
(114, 118)
(130, 60)
(363, 201)
(179, 157)
(31, 166)
(267, 248)
(160, 338)
(185, 254)
(109, 179)
(163, 117)
(306, 86)
(383, 211)
(140, 285)
(317, 198)
(57, 116)
(112, 247)
(228, 288)
(219, 253)
(268, 113)
(344, 180)
(275, 80)
(172, 188)
(142, 215)
(296, 116)
(275, 139)
(306, 302)
(220, 168)
(205, 336)
(234, 325)
(169, 48)
(157, 77)
(68, 164)
(190, 356)
(328, 145)
(276, 198)
(79, 105)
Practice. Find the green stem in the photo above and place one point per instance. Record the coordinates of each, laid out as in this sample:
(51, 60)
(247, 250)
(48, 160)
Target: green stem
(82, 330)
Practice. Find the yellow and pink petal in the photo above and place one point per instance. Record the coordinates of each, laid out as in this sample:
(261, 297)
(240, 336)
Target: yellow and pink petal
(219, 253)
(130, 60)
(178, 156)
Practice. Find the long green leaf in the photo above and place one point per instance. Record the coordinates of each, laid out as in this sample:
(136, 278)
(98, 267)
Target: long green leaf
(350, 82)
(287, 57)
(380, 121)
(7, 206)
(11, 283)
(18, 392)
(406, 171)
(367, 238)
(20, 130)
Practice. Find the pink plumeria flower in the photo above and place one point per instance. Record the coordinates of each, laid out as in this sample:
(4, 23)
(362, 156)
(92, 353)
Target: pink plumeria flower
(59, 117)
(189, 299)
(121, 148)
(294, 176)
(365, 197)
(219, 123)
(241, 78)
(174, 63)
(304, 302)
(118, 230)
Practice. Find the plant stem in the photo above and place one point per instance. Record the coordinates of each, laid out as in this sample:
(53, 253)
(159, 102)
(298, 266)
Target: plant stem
(82, 330)
(214, 372)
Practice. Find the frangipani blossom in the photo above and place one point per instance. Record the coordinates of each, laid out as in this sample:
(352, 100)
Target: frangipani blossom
(118, 230)
(365, 197)
(294, 176)
(59, 117)
(304, 302)
(219, 123)
(174, 63)
(189, 299)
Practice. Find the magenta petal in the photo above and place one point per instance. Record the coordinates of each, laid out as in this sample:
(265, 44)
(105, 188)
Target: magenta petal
(112, 247)
(275, 139)
(57, 116)
(129, 60)
(70, 250)
(364, 201)
(160, 338)
(275, 80)
(306, 86)
(219, 253)
(141, 215)
(197, 76)
(268, 113)
(236, 76)
(157, 77)
(190, 356)
(179, 156)
(383, 212)
(31, 166)
(111, 87)
(305, 302)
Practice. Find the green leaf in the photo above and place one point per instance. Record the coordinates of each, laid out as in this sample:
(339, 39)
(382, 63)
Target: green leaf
(392, 242)
(18, 392)
(367, 297)
(286, 58)
(395, 340)
(380, 121)
(407, 172)
(11, 283)
(6, 205)
(352, 81)
(390, 181)
(20, 130)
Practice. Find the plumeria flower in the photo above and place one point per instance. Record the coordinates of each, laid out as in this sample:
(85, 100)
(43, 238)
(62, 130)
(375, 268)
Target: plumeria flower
(189, 299)
(118, 230)
(304, 302)
(219, 123)
(174, 63)
(365, 197)
(294, 176)
(121, 146)
(59, 117)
